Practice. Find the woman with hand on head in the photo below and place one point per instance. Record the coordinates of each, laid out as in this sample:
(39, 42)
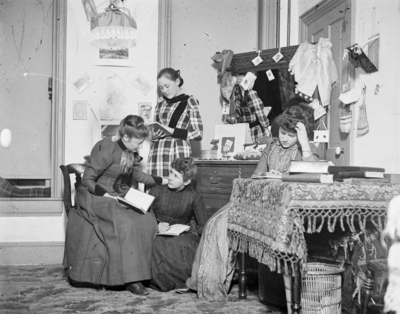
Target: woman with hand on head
(108, 244)
(180, 115)
(295, 127)
(214, 264)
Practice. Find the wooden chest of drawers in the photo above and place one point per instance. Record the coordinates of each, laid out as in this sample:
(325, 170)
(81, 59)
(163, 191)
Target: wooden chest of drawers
(215, 177)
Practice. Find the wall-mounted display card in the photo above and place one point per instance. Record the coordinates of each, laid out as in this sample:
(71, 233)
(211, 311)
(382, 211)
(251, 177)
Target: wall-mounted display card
(142, 84)
(83, 83)
(80, 109)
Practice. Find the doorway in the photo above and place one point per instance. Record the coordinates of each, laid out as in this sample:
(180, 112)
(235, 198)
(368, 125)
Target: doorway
(332, 20)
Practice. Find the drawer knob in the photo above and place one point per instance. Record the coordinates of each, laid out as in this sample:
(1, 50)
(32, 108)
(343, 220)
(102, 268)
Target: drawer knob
(215, 180)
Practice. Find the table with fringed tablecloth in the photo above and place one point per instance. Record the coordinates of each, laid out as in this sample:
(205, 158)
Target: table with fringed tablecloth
(268, 218)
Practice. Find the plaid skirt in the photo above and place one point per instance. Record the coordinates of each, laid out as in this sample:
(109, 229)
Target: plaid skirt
(163, 152)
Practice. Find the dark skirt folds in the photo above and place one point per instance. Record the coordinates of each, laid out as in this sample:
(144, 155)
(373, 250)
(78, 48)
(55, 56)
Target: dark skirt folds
(172, 261)
(106, 243)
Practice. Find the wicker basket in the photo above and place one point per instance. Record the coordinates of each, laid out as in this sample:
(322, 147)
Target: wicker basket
(321, 291)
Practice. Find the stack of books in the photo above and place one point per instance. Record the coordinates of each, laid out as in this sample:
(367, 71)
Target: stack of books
(308, 171)
(325, 172)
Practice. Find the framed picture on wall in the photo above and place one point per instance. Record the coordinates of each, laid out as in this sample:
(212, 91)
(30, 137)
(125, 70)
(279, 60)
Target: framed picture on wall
(116, 56)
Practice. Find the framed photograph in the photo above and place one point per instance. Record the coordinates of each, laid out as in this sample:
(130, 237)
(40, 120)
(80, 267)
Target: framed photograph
(83, 83)
(142, 84)
(80, 109)
(116, 56)
(145, 111)
(108, 129)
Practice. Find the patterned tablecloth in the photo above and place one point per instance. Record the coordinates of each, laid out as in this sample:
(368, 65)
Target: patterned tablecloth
(267, 218)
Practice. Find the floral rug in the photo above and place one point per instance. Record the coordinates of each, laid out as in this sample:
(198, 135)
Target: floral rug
(44, 289)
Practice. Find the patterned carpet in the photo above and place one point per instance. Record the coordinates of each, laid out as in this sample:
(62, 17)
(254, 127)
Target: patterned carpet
(44, 289)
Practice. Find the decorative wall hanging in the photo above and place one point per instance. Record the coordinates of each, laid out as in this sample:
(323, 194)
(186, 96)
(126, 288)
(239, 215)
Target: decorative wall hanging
(362, 123)
(345, 123)
(114, 28)
(312, 66)
(358, 58)
(321, 134)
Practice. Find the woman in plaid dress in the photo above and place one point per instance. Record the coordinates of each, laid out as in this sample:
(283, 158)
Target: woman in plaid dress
(180, 115)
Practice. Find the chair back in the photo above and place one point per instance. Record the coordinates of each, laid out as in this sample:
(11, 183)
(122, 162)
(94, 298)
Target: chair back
(66, 170)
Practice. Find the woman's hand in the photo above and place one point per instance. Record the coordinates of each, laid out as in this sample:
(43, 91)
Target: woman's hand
(302, 135)
(160, 133)
(163, 227)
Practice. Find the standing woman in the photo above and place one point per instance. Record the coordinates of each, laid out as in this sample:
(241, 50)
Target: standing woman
(180, 115)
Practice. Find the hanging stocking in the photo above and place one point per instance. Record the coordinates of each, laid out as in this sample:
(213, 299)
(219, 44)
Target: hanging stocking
(362, 124)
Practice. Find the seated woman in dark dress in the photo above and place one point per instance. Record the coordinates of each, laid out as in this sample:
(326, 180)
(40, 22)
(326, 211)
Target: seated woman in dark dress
(176, 203)
(106, 243)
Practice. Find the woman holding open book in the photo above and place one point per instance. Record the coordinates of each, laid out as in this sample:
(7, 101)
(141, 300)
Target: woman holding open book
(177, 203)
(107, 243)
(179, 115)
(214, 264)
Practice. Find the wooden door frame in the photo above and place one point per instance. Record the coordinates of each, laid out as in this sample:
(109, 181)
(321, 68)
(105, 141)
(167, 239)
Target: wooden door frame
(50, 206)
(311, 16)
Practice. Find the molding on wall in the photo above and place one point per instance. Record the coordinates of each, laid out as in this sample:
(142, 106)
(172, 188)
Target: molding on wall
(31, 253)
(267, 22)
(164, 34)
(59, 94)
(13, 207)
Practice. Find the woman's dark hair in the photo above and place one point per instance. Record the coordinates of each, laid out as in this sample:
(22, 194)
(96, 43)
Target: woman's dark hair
(133, 126)
(298, 113)
(171, 74)
(186, 167)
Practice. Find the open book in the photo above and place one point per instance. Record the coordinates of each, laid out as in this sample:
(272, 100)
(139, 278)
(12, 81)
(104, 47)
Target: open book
(267, 175)
(175, 230)
(137, 199)
(157, 126)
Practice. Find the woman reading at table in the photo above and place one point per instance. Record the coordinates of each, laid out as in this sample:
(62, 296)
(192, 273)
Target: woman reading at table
(214, 263)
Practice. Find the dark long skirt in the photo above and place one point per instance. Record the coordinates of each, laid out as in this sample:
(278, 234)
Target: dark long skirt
(106, 243)
(172, 261)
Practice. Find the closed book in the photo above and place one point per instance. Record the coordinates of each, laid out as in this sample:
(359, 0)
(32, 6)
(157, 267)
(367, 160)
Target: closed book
(366, 180)
(358, 174)
(309, 166)
(335, 169)
(136, 199)
(158, 126)
(307, 177)
(267, 175)
(175, 230)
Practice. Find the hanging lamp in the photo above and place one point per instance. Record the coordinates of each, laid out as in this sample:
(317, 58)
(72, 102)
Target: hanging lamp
(113, 28)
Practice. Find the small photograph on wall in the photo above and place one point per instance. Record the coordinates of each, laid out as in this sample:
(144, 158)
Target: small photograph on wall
(83, 83)
(116, 56)
(145, 111)
(142, 85)
(80, 109)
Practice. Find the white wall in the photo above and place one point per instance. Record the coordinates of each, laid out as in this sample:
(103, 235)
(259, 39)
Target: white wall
(199, 29)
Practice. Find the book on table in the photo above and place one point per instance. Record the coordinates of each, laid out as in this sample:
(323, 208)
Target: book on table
(158, 126)
(175, 230)
(299, 166)
(137, 200)
(307, 177)
(336, 169)
(357, 174)
(267, 175)
(366, 180)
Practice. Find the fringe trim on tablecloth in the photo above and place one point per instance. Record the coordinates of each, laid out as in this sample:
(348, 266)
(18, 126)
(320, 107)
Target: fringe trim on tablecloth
(275, 260)
(316, 218)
